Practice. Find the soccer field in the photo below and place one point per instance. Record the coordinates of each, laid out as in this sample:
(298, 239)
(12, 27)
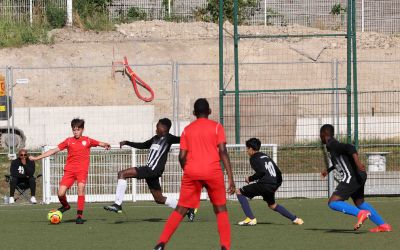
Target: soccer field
(26, 227)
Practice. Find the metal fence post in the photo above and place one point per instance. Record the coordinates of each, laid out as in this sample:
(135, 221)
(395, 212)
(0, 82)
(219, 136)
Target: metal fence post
(12, 112)
(8, 76)
(265, 12)
(169, 8)
(221, 61)
(355, 88)
(236, 56)
(46, 177)
(177, 102)
(69, 12)
(31, 12)
(174, 121)
(362, 15)
(134, 180)
(348, 85)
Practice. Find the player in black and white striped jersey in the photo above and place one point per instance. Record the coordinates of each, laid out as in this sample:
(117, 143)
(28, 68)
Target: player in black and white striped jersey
(159, 146)
(344, 158)
(267, 179)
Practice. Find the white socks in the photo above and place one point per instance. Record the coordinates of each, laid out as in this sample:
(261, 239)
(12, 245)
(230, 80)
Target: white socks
(120, 192)
(171, 202)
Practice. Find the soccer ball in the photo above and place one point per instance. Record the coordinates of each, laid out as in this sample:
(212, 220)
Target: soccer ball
(54, 216)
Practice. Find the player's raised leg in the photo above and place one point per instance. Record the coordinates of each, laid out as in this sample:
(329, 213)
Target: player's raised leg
(66, 182)
(121, 188)
(62, 190)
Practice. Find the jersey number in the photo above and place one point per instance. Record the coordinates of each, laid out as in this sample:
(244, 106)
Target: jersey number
(21, 170)
(270, 167)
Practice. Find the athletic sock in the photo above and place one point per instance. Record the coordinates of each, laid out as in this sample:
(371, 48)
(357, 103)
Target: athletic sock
(224, 229)
(170, 226)
(79, 213)
(63, 200)
(343, 207)
(120, 192)
(375, 217)
(171, 202)
(245, 206)
(282, 210)
(81, 202)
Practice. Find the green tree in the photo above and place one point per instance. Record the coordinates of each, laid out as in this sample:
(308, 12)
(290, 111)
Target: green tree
(210, 13)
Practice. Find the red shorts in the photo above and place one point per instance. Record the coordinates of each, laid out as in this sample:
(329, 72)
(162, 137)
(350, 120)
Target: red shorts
(191, 189)
(70, 177)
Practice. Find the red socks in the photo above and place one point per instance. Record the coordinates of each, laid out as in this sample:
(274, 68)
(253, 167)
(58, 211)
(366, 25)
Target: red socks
(63, 201)
(224, 229)
(81, 202)
(170, 226)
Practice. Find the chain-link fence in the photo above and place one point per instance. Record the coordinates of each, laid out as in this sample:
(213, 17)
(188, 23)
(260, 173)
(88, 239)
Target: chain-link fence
(46, 99)
(372, 16)
(26, 10)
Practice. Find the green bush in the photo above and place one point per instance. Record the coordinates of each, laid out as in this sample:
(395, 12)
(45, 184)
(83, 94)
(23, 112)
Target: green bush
(337, 9)
(210, 13)
(94, 14)
(20, 34)
(56, 17)
(135, 14)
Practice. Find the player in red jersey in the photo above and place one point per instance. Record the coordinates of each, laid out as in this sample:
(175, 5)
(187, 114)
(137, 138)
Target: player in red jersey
(202, 146)
(77, 165)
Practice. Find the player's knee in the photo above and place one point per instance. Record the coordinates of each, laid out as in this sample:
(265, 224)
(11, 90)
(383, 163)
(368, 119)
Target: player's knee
(181, 210)
(220, 208)
(358, 202)
(331, 204)
(238, 192)
(272, 206)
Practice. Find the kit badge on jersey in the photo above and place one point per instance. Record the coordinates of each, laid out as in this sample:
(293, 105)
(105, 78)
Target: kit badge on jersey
(84, 143)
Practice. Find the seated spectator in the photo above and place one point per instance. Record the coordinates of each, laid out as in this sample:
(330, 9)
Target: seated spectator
(22, 170)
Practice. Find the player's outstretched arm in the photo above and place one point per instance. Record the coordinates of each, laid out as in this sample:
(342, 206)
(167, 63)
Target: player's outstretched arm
(105, 145)
(45, 154)
(138, 145)
(223, 153)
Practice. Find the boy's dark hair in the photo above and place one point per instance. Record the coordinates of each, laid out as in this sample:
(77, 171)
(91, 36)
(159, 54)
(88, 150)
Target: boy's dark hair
(328, 128)
(253, 143)
(165, 122)
(77, 123)
(201, 107)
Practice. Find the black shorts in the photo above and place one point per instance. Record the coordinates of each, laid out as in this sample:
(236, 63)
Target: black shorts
(354, 189)
(152, 178)
(347, 190)
(264, 190)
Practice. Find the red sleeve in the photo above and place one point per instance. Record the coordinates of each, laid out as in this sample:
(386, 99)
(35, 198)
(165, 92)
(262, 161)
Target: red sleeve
(93, 142)
(63, 145)
(220, 134)
(183, 143)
